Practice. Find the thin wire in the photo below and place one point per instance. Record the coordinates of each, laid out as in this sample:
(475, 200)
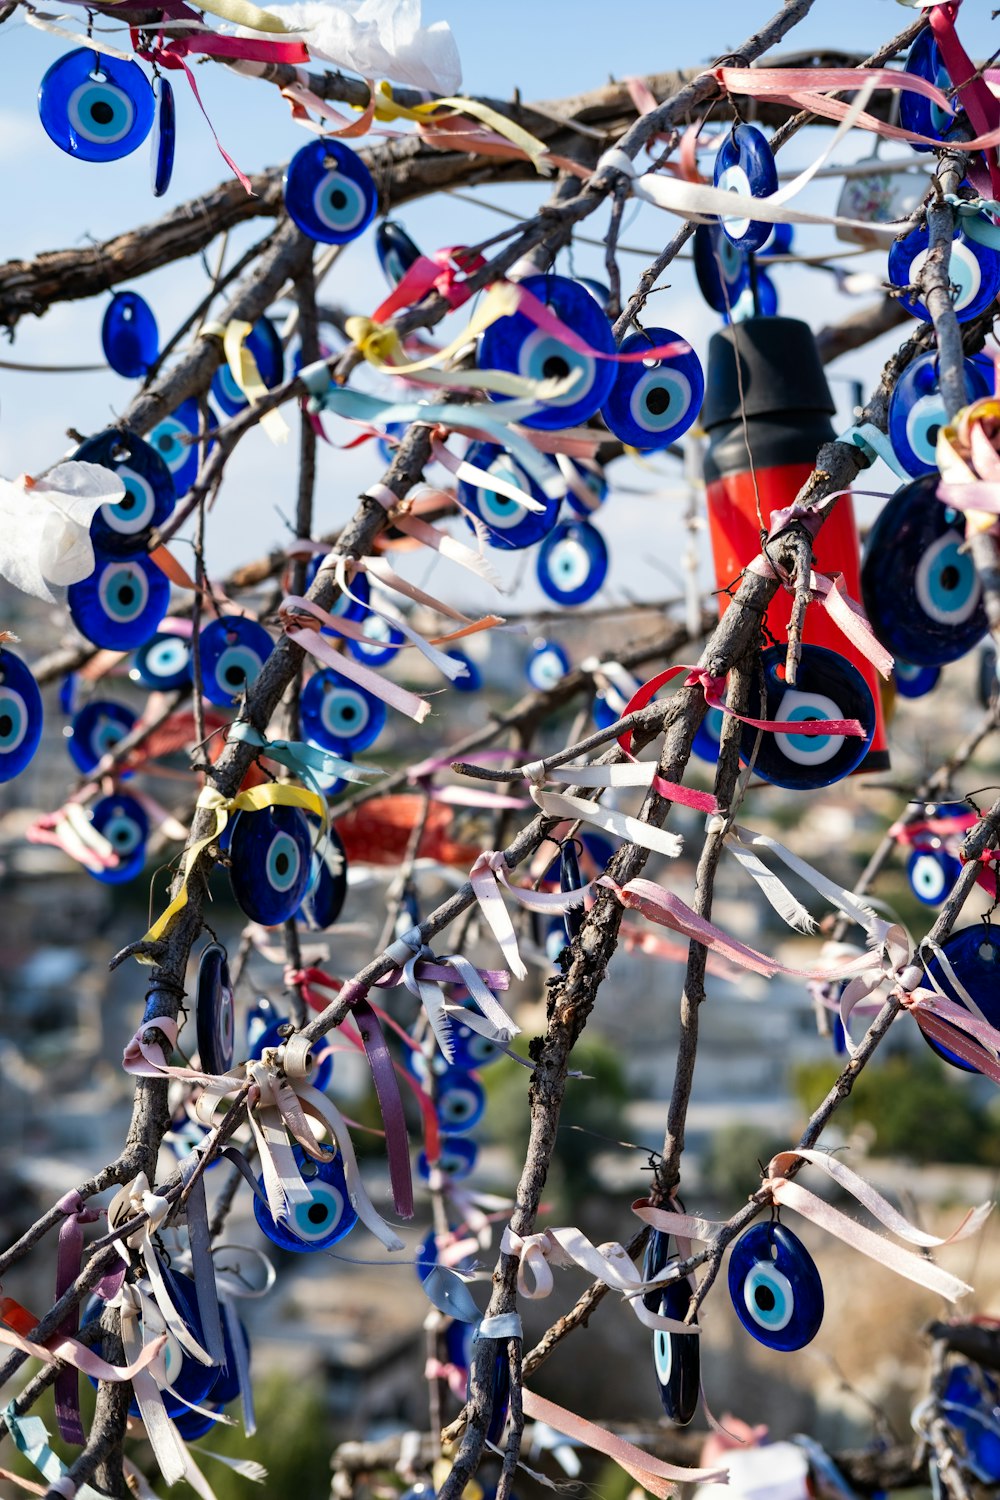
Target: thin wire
(10, 364)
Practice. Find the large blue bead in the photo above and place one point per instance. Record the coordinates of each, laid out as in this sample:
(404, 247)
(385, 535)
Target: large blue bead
(161, 146)
(233, 652)
(546, 664)
(916, 411)
(973, 268)
(327, 892)
(775, 1287)
(827, 687)
(460, 1101)
(322, 1222)
(214, 1020)
(516, 344)
(651, 406)
(508, 523)
(124, 526)
(336, 712)
(973, 955)
(916, 113)
(676, 1356)
(572, 563)
(720, 267)
(163, 663)
(264, 344)
(914, 682)
(932, 873)
(744, 164)
(21, 715)
(122, 602)
(170, 438)
(129, 335)
(329, 192)
(270, 857)
(94, 107)
(96, 730)
(123, 822)
(920, 589)
(395, 250)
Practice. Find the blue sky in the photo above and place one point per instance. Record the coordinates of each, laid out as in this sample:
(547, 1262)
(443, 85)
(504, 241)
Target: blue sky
(547, 50)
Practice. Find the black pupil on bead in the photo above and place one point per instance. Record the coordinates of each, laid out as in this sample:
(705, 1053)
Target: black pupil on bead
(6, 724)
(235, 675)
(101, 112)
(555, 367)
(348, 712)
(126, 594)
(657, 400)
(764, 1298)
(164, 442)
(338, 198)
(950, 578)
(129, 501)
(932, 434)
(318, 1213)
(121, 836)
(281, 864)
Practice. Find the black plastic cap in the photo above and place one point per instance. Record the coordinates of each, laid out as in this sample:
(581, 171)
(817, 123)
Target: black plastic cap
(780, 369)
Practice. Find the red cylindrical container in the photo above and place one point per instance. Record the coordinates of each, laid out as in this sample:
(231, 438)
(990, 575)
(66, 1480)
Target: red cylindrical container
(785, 418)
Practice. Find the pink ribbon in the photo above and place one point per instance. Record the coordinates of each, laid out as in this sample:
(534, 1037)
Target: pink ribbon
(978, 100)
(651, 1473)
(172, 56)
(437, 273)
(712, 688)
(307, 635)
(68, 1261)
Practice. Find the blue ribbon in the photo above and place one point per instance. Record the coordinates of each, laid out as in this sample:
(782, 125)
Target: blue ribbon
(303, 759)
(874, 443)
(495, 420)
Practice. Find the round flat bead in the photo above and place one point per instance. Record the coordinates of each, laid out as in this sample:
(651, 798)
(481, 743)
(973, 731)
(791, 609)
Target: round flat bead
(94, 107)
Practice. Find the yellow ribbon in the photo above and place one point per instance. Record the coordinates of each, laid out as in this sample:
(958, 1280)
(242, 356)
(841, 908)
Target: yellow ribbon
(243, 368)
(274, 794)
(380, 345)
(386, 108)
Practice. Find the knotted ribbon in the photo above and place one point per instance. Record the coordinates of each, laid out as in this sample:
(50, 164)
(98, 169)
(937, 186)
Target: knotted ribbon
(488, 875)
(253, 800)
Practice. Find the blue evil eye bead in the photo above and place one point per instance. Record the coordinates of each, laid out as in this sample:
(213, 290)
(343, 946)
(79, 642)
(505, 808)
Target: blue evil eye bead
(265, 1029)
(744, 164)
(129, 335)
(778, 242)
(570, 879)
(572, 562)
(395, 250)
(652, 404)
(20, 715)
(597, 488)
(914, 682)
(171, 439)
(917, 414)
(164, 662)
(597, 289)
(125, 525)
(336, 712)
(460, 1101)
(96, 730)
(720, 268)
(264, 344)
(324, 900)
(758, 299)
(385, 640)
(344, 607)
(969, 1405)
(460, 1342)
(185, 1135)
(932, 873)
(916, 113)
(233, 652)
(164, 137)
(214, 1020)
(270, 861)
(775, 1287)
(94, 107)
(676, 1356)
(974, 269)
(456, 1162)
(708, 736)
(473, 679)
(827, 687)
(919, 587)
(122, 602)
(329, 192)
(69, 693)
(508, 523)
(514, 343)
(973, 956)
(123, 822)
(470, 1050)
(320, 1223)
(189, 1380)
(546, 665)
(501, 1396)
